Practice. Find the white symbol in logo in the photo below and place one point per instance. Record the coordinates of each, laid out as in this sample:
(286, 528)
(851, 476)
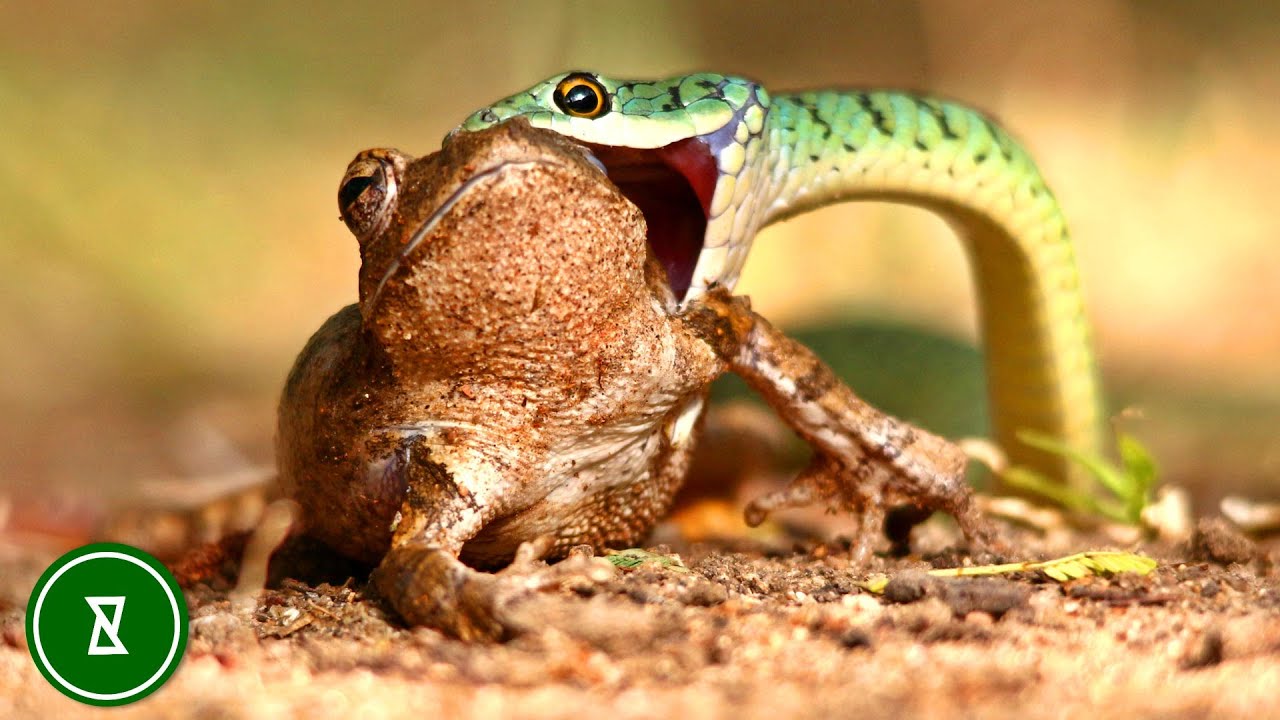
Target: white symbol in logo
(111, 627)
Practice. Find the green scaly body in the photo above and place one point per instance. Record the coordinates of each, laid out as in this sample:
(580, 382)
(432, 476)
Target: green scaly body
(777, 156)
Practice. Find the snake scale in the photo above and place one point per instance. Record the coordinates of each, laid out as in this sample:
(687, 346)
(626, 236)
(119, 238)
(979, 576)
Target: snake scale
(710, 159)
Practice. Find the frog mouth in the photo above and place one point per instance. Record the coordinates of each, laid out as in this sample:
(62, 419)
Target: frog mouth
(672, 185)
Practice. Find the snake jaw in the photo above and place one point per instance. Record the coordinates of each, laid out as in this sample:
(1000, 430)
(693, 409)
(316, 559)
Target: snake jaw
(672, 185)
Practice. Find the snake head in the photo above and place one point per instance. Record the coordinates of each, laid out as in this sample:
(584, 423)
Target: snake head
(661, 142)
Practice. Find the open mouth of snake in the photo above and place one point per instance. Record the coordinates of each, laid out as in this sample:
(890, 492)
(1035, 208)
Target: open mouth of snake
(672, 186)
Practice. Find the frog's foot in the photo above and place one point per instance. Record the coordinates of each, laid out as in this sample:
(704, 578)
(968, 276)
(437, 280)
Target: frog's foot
(825, 480)
(867, 489)
(865, 459)
(430, 586)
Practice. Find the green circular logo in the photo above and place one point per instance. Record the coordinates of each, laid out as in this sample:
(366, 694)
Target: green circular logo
(107, 624)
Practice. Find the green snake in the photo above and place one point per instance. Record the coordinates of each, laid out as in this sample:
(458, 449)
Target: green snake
(710, 159)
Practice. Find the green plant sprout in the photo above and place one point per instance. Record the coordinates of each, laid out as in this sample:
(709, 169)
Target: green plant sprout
(1071, 567)
(1122, 490)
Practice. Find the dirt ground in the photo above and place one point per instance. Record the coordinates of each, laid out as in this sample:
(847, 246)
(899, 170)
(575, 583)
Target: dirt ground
(762, 627)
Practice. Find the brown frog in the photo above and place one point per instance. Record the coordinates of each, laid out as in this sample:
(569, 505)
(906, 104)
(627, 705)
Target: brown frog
(516, 371)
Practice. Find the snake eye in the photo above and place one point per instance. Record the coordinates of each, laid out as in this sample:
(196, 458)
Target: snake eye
(367, 190)
(581, 95)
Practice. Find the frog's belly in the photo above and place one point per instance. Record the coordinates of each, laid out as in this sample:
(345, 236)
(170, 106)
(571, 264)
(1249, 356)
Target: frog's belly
(608, 489)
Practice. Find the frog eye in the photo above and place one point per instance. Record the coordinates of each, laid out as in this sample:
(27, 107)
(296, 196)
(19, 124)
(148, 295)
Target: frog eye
(581, 95)
(368, 189)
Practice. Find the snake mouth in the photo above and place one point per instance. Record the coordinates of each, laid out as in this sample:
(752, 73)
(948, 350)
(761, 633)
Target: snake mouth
(672, 185)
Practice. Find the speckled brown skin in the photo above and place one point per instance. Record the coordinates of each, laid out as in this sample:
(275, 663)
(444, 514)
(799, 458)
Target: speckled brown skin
(515, 373)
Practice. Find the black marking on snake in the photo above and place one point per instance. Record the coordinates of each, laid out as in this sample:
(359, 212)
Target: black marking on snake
(714, 89)
(947, 131)
(940, 116)
(998, 138)
(826, 127)
(674, 92)
(755, 97)
(921, 146)
(877, 116)
(617, 93)
(817, 119)
(1007, 147)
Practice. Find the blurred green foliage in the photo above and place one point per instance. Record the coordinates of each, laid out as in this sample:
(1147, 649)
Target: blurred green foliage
(913, 374)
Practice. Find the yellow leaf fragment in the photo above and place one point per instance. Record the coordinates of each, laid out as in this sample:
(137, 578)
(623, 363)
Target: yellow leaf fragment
(1062, 569)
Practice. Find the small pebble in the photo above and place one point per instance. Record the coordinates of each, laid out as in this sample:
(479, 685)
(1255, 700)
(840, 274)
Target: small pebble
(979, 618)
(1217, 540)
(1207, 653)
(855, 638)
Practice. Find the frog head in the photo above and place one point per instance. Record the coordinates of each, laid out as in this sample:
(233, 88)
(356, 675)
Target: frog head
(503, 239)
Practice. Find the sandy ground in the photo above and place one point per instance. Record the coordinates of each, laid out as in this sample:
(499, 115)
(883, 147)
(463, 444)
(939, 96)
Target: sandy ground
(770, 628)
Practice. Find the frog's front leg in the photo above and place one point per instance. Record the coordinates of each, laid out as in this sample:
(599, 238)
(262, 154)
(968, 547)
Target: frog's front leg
(450, 495)
(864, 458)
(421, 575)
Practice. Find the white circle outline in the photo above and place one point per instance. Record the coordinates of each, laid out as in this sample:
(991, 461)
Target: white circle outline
(173, 603)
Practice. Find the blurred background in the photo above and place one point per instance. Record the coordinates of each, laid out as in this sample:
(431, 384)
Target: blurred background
(170, 237)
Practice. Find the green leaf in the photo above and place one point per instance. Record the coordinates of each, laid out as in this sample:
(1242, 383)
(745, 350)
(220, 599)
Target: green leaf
(635, 557)
(1141, 468)
(1130, 483)
(1112, 478)
(1064, 495)
(1032, 481)
(1137, 460)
